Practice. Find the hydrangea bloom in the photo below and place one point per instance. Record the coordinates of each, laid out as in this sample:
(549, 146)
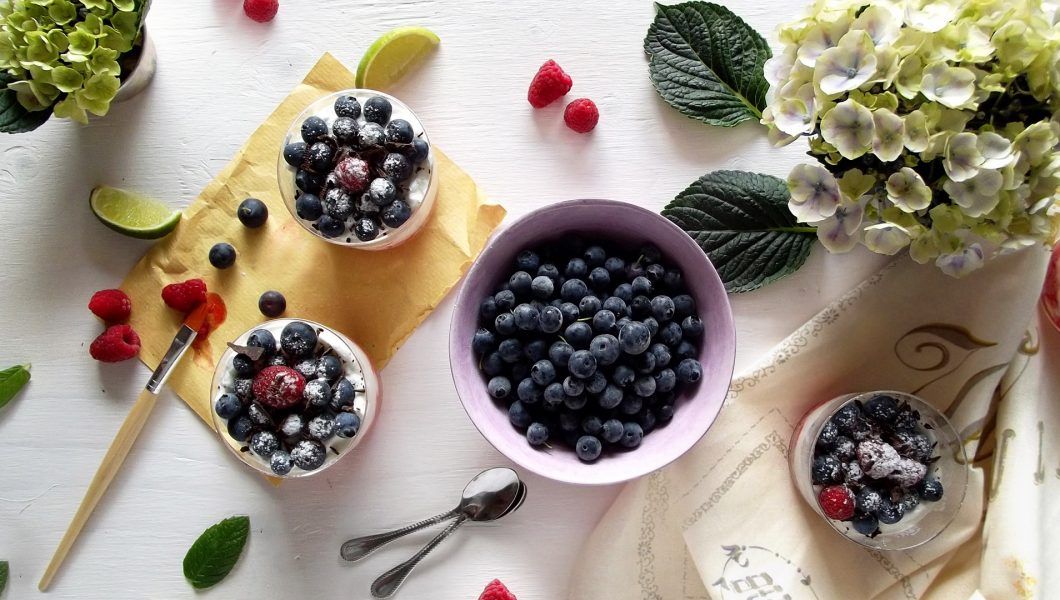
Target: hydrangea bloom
(936, 124)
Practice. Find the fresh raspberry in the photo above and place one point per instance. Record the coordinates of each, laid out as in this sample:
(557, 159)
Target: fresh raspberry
(548, 85)
(581, 115)
(278, 387)
(113, 306)
(117, 343)
(496, 591)
(352, 174)
(261, 10)
(184, 296)
(837, 501)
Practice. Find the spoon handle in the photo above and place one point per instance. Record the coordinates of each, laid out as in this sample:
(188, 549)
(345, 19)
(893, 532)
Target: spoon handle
(388, 583)
(358, 548)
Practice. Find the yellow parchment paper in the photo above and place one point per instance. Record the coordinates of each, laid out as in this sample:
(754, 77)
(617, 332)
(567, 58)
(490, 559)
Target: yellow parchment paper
(376, 298)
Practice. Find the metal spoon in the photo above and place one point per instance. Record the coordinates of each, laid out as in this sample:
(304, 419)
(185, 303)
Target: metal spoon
(482, 496)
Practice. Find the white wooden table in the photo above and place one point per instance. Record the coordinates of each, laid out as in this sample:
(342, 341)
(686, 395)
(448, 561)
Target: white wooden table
(220, 75)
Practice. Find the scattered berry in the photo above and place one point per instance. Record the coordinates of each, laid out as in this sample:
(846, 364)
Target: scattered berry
(113, 306)
(222, 255)
(837, 502)
(549, 84)
(252, 213)
(184, 296)
(581, 115)
(117, 343)
(261, 11)
(272, 304)
(496, 591)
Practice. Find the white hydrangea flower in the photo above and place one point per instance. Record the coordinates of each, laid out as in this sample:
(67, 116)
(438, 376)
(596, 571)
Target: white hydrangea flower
(796, 114)
(962, 156)
(961, 262)
(930, 15)
(907, 190)
(885, 238)
(997, 151)
(915, 133)
(848, 127)
(814, 193)
(950, 86)
(849, 64)
(888, 132)
(1038, 139)
(778, 67)
(881, 22)
(978, 195)
(842, 231)
(910, 76)
(820, 38)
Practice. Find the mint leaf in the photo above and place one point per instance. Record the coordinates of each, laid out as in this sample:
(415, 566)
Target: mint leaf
(4, 568)
(12, 380)
(212, 556)
(14, 118)
(741, 220)
(707, 63)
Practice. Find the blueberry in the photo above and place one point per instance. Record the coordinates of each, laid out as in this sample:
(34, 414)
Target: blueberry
(554, 394)
(578, 334)
(308, 207)
(493, 364)
(634, 337)
(652, 325)
(280, 462)
(347, 106)
(689, 371)
(576, 269)
(243, 366)
(308, 455)
(673, 281)
(377, 109)
(366, 229)
(317, 393)
(907, 420)
(228, 406)
(573, 290)
(542, 287)
(560, 352)
(596, 383)
(262, 338)
(662, 308)
(488, 308)
(338, 204)
(684, 306)
(505, 300)
(347, 424)
(930, 490)
(642, 286)
(846, 417)
(844, 448)
(329, 367)
(909, 502)
(605, 349)
(595, 256)
(592, 425)
(827, 437)
(528, 392)
(623, 375)
(243, 388)
(615, 266)
(644, 386)
(222, 255)
(526, 317)
(499, 387)
(331, 227)
(294, 153)
(483, 341)
(259, 416)
(549, 270)
(865, 524)
(345, 131)
(654, 273)
(370, 136)
(692, 327)
(321, 427)
(588, 448)
(397, 167)
(252, 213)
(589, 306)
(543, 372)
(882, 408)
(640, 307)
(417, 151)
(665, 380)
(569, 422)
(306, 368)
(582, 364)
(521, 283)
(321, 157)
(616, 305)
(570, 312)
(575, 402)
(573, 386)
(632, 434)
(867, 500)
(309, 182)
(511, 350)
(537, 434)
(240, 427)
(518, 415)
(647, 420)
(612, 430)
(661, 354)
(889, 512)
(298, 339)
(631, 405)
(670, 334)
(604, 322)
(664, 413)
(611, 397)
(624, 292)
(599, 278)
(382, 191)
(342, 394)
(826, 469)
(643, 363)
(314, 129)
(550, 319)
(272, 304)
(399, 132)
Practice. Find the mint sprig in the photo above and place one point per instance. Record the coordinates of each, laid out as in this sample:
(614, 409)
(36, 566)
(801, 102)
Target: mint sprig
(12, 380)
(215, 553)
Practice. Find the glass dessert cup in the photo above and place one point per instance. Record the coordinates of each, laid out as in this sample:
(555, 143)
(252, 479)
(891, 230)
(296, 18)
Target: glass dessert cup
(421, 188)
(1050, 299)
(356, 367)
(928, 519)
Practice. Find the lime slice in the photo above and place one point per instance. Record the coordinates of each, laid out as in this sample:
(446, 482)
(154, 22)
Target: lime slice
(132, 214)
(393, 55)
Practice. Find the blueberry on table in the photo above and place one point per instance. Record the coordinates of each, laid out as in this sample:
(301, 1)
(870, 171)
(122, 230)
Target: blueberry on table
(298, 339)
(865, 524)
(689, 371)
(399, 132)
(588, 448)
(345, 131)
(417, 151)
(347, 424)
(314, 129)
(252, 213)
(371, 136)
(280, 462)
(309, 182)
(308, 207)
(612, 431)
(632, 434)
(240, 427)
(272, 304)
(331, 227)
(294, 153)
(382, 191)
(634, 337)
(518, 415)
(262, 338)
(377, 109)
(347, 106)
(228, 406)
(222, 255)
(537, 434)
(366, 229)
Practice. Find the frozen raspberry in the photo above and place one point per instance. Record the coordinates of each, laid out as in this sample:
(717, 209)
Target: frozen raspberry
(837, 502)
(117, 343)
(878, 459)
(113, 306)
(548, 85)
(278, 387)
(352, 173)
(261, 11)
(184, 296)
(581, 115)
(496, 591)
(908, 473)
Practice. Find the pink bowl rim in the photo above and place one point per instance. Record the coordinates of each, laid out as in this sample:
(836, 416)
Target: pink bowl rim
(462, 300)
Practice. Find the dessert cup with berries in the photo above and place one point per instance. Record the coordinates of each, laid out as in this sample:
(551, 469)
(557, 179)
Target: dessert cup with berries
(884, 469)
(291, 397)
(357, 169)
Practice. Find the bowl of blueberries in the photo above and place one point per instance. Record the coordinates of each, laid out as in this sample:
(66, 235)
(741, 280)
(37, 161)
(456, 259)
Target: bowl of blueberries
(356, 169)
(592, 342)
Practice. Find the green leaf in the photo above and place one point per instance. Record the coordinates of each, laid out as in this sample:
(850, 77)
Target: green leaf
(4, 569)
(707, 63)
(212, 556)
(741, 220)
(12, 380)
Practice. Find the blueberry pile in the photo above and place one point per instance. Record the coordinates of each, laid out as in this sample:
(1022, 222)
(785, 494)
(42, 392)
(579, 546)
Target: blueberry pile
(287, 401)
(589, 344)
(878, 453)
(352, 175)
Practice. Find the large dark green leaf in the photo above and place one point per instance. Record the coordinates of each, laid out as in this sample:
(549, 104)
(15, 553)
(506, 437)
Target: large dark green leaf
(741, 220)
(14, 118)
(708, 63)
(3, 575)
(212, 556)
(12, 380)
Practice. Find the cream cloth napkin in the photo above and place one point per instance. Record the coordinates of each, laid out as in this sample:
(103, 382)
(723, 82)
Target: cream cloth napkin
(725, 520)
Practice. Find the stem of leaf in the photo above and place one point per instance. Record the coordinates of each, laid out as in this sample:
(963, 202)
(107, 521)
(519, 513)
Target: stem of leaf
(800, 229)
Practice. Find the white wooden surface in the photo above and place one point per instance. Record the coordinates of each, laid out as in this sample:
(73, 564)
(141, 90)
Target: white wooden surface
(220, 74)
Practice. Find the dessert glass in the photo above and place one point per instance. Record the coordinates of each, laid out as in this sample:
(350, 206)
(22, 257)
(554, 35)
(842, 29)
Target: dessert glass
(422, 186)
(356, 367)
(920, 525)
(1051, 289)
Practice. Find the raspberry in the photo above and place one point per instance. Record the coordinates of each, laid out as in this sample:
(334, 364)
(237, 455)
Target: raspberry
(581, 115)
(261, 10)
(837, 501)
(352, 174)
(113, 306)
(548, 85)
(184, 296)
(117, 343)
(278, 387)
(496, 591)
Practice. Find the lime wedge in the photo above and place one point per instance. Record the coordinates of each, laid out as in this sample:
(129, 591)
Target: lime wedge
(132, 214)
(393, 55)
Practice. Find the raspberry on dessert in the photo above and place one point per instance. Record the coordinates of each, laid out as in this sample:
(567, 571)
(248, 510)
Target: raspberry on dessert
(184, 296)
(837, 502)
(261, 11)
(908, 473)
(113, 306)
(353, 174)
(877, 458)
(581, 115)
(117, 343)
(278, 387)
(549, 84)
(496, 591)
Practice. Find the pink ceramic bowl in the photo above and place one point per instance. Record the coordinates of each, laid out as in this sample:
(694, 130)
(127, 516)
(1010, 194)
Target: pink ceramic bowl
(696, 409)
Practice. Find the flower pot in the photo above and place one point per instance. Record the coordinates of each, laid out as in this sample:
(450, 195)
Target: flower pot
(143, 69)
